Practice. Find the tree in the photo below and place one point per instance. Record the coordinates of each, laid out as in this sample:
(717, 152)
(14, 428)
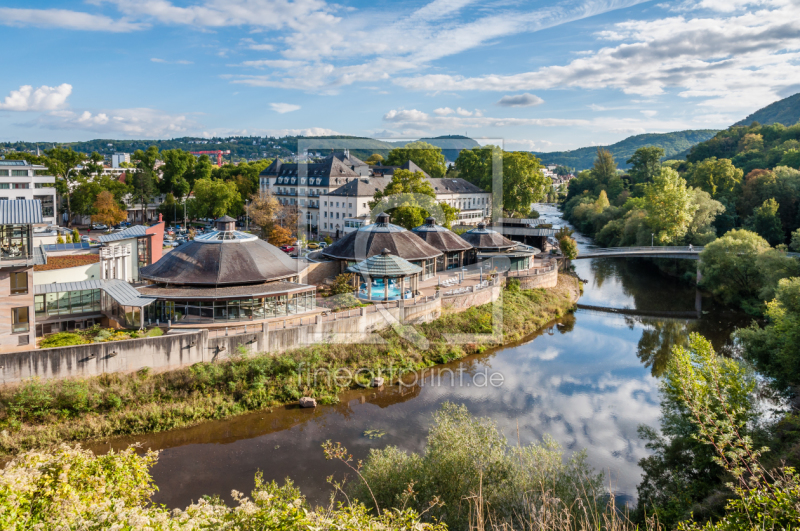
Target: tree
(604, 167)
(602, 202)
(523, 181)
(177, 163)
(143, 187)
(62, 164)
(213, 198)
(669, 206)
(263, 211)
(766, 222)
(646, 163)
(715, 176)
(569, 247)
(86, 190)
(795, 244)
(701, 229)
(410, 198)
(107, 210)
(202, 169)
(375, 159)
(426, 156)
(730, 268)
(475, 165)
(280, 236)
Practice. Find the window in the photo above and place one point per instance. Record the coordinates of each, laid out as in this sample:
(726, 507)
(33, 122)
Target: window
(324, 203)
(4, 186)
(20, 198)
(20, 186)
(337, 205)
(325, 214)
(302, 180)
(365, 205)
(19, 283)
(4, 173)
(350, 205)
(337, 215)
(19, 320)
(325, 225)
(43, 185)
(19, 173)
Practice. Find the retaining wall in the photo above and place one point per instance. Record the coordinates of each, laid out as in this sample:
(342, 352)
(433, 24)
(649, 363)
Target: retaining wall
(548, 279)
(460, 303)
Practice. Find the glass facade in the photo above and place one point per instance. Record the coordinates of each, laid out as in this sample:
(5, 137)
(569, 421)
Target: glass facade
(202, 311)
(428, 267)
(453, 260)
(15, 241)
(67, 303)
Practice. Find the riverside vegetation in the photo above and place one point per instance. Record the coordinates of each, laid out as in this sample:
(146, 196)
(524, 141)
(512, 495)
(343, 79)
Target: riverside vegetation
(40, 413)
(468, 477)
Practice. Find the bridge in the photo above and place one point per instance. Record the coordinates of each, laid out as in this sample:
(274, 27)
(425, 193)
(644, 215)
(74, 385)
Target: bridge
(685, 253)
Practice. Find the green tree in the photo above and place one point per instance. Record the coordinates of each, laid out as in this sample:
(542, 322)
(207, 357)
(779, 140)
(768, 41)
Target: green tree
(730, 267)
(602, 202)
(715, 176)
(107, 210)
(213, 198)
(475, 165)
(604, 167)
(202, 169)
(63, 165)
(523, 181)
(426, 156)
(410, 199)
(646, 164)
(701, 229)
(795, 244)
(766, 222)
(85, 193)
(177, 163)
(375, 159)
(669, 206)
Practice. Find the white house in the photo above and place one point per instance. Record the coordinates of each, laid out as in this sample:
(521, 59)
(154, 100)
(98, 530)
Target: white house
(20, 180)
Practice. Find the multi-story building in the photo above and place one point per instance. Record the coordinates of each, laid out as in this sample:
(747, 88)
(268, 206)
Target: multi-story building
(22, 181)
(18, 255)
(302, 184)
(118, 158)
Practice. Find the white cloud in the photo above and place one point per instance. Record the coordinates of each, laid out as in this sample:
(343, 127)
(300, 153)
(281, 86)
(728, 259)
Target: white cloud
(65, 19)
(307, 131)
(136, 122)
(735, 61)
(423, 121)
(649, 114)
(43, 98)
(520, 100)
(273, 63)
(283, 108)
(443, 111)
(527, 145)
(164, 61)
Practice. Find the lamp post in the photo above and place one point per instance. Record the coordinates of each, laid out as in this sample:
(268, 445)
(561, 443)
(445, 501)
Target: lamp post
(246, 215)
(652, 236)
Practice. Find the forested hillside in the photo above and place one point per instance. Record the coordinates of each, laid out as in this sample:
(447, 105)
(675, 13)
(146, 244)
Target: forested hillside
(672, 144)
(785, 111)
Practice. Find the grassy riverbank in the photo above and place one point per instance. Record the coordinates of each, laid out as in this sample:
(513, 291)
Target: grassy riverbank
(38, 414)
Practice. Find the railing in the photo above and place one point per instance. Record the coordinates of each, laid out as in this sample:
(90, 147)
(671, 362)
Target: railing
(534, 271)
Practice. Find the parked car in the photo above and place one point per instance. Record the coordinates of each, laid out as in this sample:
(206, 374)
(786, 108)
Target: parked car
(322, 245)
(287, 248)
(99, 226)
(313, 245)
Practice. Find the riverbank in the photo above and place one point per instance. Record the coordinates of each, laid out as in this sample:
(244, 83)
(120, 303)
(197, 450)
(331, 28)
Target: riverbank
(38, 414)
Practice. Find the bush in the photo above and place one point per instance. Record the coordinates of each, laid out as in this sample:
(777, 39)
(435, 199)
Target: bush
(63, 339)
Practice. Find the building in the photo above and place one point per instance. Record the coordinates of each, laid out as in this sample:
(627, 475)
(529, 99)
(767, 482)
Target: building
(371, 240)
(148, 214)
(456, 252)
(474, 203)
(302, 185)
(499, 251)
(22, 181)
(225, 276)
(124, 253)
(18, 255)
(119, 158)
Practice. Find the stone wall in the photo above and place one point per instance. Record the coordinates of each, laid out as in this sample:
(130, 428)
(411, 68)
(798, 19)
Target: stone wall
(460, 303)
(544, 280)
(317, 273)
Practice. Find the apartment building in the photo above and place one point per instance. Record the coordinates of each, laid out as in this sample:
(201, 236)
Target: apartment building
(303, 184)
(22, 181)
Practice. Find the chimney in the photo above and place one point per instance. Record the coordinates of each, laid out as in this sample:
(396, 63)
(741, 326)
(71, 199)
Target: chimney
(160, 218)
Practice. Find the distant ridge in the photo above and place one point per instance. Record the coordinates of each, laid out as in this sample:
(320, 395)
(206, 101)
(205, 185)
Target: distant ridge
(785, 111)
(673, 144)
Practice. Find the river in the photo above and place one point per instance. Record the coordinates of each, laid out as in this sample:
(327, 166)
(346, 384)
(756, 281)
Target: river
(588, 380)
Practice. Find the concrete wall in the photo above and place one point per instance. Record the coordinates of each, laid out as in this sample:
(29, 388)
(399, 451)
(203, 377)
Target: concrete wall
(69, 274)
(545, 280)
(460, 303)
(10, 341)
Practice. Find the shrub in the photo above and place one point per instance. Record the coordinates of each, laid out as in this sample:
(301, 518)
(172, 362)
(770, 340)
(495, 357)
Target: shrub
(63, 339)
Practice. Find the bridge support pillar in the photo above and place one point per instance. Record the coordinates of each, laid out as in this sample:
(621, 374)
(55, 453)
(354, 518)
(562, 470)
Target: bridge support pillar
(699, 273)
(698, 302)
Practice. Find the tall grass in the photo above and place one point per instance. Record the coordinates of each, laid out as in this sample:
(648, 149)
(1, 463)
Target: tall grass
(39, 413)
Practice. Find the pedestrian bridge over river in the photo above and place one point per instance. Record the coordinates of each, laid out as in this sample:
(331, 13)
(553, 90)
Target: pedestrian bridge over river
(685, 253)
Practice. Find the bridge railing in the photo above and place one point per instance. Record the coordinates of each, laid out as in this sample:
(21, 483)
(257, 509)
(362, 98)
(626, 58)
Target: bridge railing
(632, 250)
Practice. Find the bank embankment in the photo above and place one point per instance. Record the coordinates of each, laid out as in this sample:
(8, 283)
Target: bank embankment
(39, 413)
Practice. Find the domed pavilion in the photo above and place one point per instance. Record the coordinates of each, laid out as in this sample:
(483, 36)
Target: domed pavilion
(456, 252)
(495, 248)
(371, 240)
(223, 276)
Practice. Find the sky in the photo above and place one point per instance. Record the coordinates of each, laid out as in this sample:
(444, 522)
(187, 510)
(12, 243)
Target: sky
(540, 75)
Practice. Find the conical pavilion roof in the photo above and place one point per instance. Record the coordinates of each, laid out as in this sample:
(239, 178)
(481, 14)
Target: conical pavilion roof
(482, 238)
(385, 265)
(441, 238)
(370, 240)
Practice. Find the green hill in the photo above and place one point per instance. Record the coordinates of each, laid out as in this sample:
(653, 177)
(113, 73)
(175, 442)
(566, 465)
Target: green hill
(785, 111)
(673, 143)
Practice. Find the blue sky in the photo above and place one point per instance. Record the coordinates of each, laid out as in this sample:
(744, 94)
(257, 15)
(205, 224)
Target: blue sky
(541, 75)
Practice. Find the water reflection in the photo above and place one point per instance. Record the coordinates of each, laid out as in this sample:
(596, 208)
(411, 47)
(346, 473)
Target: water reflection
(589, 380)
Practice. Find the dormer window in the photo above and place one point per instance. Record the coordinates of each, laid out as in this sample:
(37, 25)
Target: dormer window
(294, 180)
(303, 180)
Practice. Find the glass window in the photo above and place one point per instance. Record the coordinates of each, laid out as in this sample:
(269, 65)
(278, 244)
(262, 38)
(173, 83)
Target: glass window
(47, 204)
(4, 186)
(20, 186)
(19, 319)
(38, 305)
(51, 303)
(4, 173)
(63, 302)
(19, 283)
(75, 302)
(19, 173)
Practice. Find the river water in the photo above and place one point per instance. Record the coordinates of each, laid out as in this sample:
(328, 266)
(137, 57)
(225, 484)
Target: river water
(588, 380)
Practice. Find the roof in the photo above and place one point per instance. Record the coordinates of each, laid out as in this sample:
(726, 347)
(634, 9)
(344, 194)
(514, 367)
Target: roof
(21, 212)
(363, 187)
(330, 172)
(225, 219)
(440, 237)
(385, 264)
(137, 231)
(408, 165)
(13, 163)
(525, 231)
(482, 238)
(216, 292)
(215, 262)
(119, 290)
(39, 256)
(455, 186)
(372, 239)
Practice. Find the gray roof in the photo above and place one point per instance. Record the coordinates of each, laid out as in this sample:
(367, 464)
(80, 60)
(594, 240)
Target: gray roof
(119, 290)
(372, 239)
(21, 212)
(39, 255)
(137, 231)
(524, 231)
(13, 163)
(363, 187)
(225, 219)
(385, 265)
(329, 172)
(455, 186)
(440, 237)
(222, 292)
(389, 170)
(485, 239)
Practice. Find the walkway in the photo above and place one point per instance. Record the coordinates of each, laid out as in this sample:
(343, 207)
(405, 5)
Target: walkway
(685, 253)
